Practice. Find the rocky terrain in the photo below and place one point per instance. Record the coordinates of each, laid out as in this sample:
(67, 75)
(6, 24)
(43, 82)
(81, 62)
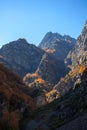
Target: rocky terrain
(78, 55)
(56, 48)
(49, 96)
(20, 56)
(57, 44)
(69, 110)
(66, 106)
(77, 61)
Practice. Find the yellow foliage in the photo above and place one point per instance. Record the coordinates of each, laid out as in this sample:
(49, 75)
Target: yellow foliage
(50, 50)
(31, 75)
(39, 80)
(50, 92)
(82, 68)
(34, 75)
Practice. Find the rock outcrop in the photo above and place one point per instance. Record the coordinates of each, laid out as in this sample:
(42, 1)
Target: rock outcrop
(51, 69)
(78, 55)
(57, 44)
(20, 56)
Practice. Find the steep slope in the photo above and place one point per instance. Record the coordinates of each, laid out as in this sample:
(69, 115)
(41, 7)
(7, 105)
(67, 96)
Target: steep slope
(72, 107)
(77, 61)
(21, 57)
(14, 99)
(79, 54)
(51, 69)
(57, 44)
(48, 73)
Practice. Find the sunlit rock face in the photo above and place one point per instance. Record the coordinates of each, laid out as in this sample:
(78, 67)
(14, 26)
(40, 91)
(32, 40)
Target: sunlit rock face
(78, 55)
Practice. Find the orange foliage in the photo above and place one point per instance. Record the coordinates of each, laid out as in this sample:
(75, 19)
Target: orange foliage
(50, 51)
(50, 92)
(34, 75)
(82, 68)
(39, 80)
(31, 75)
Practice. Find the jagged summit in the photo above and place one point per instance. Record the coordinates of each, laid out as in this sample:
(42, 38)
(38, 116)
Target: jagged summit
(50, 38)
(57, 44)
(21, 56)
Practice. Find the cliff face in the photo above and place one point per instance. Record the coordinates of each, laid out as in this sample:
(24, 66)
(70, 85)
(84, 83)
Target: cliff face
(77, 61)
(57, 44)
(21, 57)
(78, 55)
(51, 69)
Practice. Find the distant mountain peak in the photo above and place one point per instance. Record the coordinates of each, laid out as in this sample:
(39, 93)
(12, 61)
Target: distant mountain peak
(51, 38)
(22, 39)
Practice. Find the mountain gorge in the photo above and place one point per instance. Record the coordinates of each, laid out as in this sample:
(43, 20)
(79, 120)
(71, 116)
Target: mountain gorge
(47, 89)
(68, 111)
(24, 58)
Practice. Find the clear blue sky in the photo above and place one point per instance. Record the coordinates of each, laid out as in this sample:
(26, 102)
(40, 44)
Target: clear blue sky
(32, 19)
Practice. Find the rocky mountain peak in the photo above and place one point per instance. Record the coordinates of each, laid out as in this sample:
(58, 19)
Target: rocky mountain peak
(50, 39)
(21, 56)
(85, 28)
(22, 39)
(78, 55)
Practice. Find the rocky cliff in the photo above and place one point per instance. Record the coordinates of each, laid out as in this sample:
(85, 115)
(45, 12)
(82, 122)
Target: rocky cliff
(57, 44)
(71, 109)
(51, 69)
(78, 55)
(20, 56)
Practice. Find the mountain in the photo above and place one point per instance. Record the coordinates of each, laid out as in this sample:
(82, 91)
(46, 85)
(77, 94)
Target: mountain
(51, 67)
(77, 61)
(14, 99)
(78, 55)
(57, 44)
(68, 112)
(20, 56)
